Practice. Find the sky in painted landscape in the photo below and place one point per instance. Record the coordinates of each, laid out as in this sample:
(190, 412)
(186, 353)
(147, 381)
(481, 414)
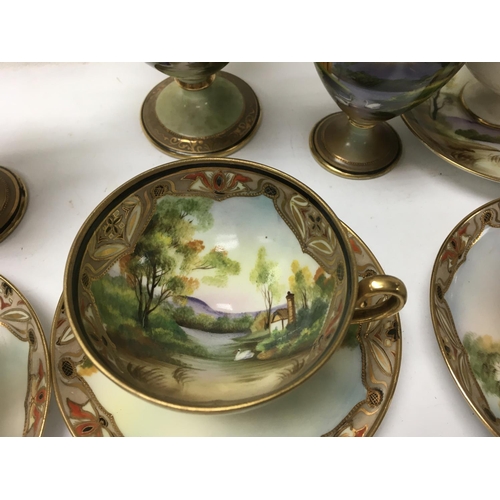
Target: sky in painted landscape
(241, 226)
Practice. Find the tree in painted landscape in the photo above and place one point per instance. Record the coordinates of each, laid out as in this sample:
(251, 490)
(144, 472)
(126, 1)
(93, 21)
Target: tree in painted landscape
(167, 254)
(302, 284)
(266, 277)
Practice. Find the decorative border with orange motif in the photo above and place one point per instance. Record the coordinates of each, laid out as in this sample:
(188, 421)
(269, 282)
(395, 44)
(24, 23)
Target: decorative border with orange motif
(452, 254)
(381, 348)
(20, 319)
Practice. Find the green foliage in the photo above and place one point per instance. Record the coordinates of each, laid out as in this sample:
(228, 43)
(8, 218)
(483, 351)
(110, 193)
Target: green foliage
(243, 323)
(223, 324)
(298, 336)
(364, 79)
(162, 320)
(302, 285)
(169, 338)
(484, 357)
(306, 317)
(266, 278)
(117, 308)
(86, 363)
(185, 316)
(115, 300)
(476, 136)
(265, 272)
(326, 285)
(167, 253)
(223, 266)
(351, 337)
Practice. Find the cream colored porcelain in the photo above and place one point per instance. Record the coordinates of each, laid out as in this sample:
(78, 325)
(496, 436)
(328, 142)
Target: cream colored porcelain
(24, 366)
(482, 97)
(465, 286)
(13, 382)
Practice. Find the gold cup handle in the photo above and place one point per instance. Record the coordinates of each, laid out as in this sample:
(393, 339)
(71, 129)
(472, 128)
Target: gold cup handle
(394, 290)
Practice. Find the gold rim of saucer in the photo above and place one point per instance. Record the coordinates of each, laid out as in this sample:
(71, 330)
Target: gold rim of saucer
(454, 353)
(77, 250)
(388, 396)
(15, 202)
(218, 145)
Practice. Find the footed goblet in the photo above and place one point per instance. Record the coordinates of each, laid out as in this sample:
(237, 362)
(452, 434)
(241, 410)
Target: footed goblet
(13, 201)
(357, 142)
(199, 111)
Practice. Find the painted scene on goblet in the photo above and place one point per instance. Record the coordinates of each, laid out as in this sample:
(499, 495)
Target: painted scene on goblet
(381, 91)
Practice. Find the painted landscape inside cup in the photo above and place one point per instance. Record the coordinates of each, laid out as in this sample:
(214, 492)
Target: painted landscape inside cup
(216, 294)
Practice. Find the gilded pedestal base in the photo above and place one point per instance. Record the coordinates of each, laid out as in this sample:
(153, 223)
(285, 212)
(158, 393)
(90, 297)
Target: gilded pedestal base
(13, 202)
(214, 121)
(353, 152)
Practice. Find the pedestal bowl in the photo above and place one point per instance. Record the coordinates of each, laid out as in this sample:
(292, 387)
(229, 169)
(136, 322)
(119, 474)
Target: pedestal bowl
(357, 142)
(199, 111)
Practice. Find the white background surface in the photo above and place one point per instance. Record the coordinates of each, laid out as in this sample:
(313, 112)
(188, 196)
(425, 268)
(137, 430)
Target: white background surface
(72, 131)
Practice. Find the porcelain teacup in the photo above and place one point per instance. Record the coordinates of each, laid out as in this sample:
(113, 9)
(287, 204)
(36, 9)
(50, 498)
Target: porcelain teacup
(482, 97)
(215, 285)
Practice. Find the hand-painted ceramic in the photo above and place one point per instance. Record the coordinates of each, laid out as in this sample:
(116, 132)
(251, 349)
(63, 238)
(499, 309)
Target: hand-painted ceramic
(465, 286)
(25, 377)
(444, 125)
(370, 92)
(189, 72)
(356, 143)
(214, 285)
(13, 201)
(349, 396)
(200, 111)
(482, 97)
